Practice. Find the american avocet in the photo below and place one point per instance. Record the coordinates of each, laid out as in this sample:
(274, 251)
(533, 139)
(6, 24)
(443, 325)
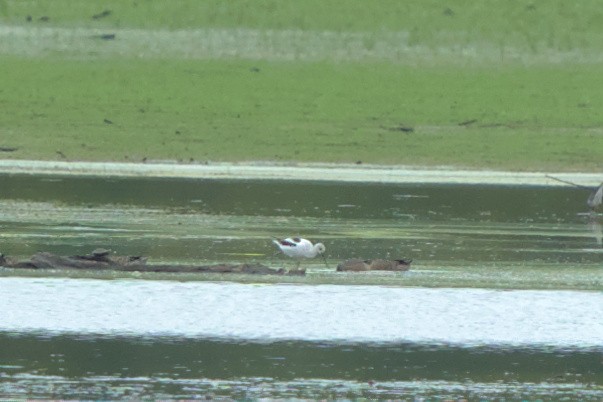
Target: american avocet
(298, 248)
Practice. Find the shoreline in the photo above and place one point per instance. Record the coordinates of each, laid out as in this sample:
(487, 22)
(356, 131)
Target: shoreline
(397, 174)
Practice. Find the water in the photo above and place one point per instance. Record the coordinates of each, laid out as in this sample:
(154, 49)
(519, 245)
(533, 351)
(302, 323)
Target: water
(503, 299)
(327, 313)
(117, 367)
(80, 367)
(471, 236)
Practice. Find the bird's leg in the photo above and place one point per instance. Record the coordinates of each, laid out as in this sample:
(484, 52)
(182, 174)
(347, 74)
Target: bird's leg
(324, 258)
(273, 256)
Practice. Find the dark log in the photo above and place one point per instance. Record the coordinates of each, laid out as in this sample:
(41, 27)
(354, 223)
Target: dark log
(101, 259)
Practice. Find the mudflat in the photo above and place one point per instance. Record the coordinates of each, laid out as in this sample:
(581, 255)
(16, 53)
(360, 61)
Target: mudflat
(385, 83)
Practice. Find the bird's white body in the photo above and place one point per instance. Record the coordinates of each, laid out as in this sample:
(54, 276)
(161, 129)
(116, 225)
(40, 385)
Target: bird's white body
(296, 247)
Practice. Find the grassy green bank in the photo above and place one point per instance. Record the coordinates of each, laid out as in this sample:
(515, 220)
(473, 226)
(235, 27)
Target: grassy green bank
(378, 82)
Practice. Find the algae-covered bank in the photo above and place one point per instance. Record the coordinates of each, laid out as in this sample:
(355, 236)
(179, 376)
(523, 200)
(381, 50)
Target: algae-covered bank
(493, 84)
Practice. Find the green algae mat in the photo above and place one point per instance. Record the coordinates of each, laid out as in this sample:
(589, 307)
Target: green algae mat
(494, 84)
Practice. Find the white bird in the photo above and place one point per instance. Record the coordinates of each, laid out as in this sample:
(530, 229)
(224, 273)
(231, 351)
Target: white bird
(298, 248)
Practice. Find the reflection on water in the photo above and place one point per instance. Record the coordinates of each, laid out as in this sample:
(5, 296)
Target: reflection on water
(304, 312)
(597, 229)
(111, 367)
(435, 203)
(170, 339)
(199, 336)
